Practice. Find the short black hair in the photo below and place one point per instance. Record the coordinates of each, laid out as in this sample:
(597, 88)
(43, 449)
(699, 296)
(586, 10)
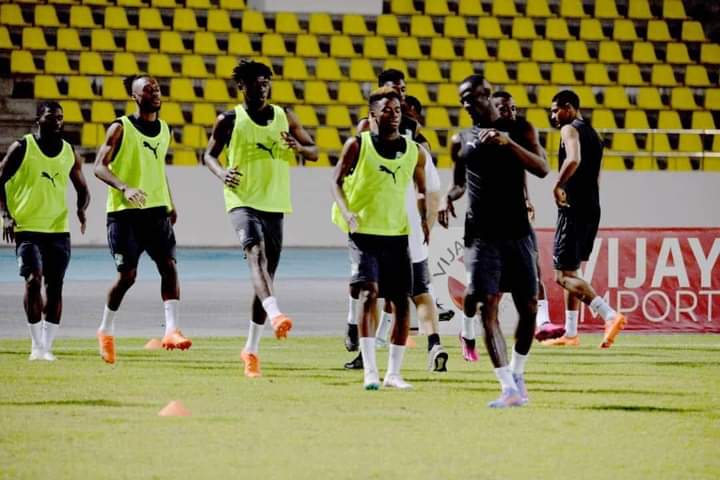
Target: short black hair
(248, 70)
(382, 92)
(502, 94)
(414, 103)
(46, 105)
(129, 80)
(564, 97)
(390, 75)
(474, 80)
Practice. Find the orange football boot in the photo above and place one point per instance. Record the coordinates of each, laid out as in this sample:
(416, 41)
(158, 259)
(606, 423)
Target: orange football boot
(252, 364)
(107, 347)
(282, 324)
(612, 330)
(176, 339)
(563, 341)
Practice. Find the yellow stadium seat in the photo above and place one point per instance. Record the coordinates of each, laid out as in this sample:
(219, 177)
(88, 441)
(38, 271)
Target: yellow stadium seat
(5, 41)
(91, 135)
(658, 143)
(21, 61)
(422, 26)
(710, 53)
(91, 64)
(444, 161)
(45, 86)
(428, 71)
(273, 45)
(503, 8)
(455, 27)
(57, 62)
(624, 30)
(388, 26)
(591, 29)
(361, 70)
(33, 38)
(71, 111)
(184, 20)
(673, 9)
(102, 112)
(419, 91)
(596, 74)
(636, 119)
(283, 92)
(341, 47)
(657, 31)
(572, 9)
(537, 8)
(616, 98)
(328, 69)
(545, 93)
(116, 19)
(437, 117)
(253, 22)
(677, 53)
(629, 75)
(437, 8)
(206, 44)
(125, 64)
(349, 93)
(130, 3)
(102, 41)
(137, 41)
(460, 70)
(308, 46)
(375, 47)
(669, 119)
(543, 51)
(219, 21)
(692, 31)
(397, 64)
(433, 141)
(702, 120)
(181, 90)
(216, 91)
(45, 16)
(519, 94)
(476, 50)
(316, 93)
(644, 52)
(557, 29)
(613, 163)
(199, 4)
(576, 51)
(639, 9)
(681, 98)
(239, 44)
(328, 139)
(338, 116)
(690, 142)
(203, 114)
(602, 118)
(489, 27)
(712, 99)
(496, 73)
(307, 115)
(159, 65)
(624, 142)
(164, 3)
(171, 112)
(294, 68)
(184, 157)
(81, 17)
(150, 19)
(355, 25)
(114, 89)
(509, 50)
(11, 14)
(523, 28)
(529, 73)
(447, 95)
(563, 74)
(442, 49)
(80, 88)
(586, 95)
(287, 22)
(470, 8)
(662, 76)
(321, 24)
(193, 66)
(409, 48)
(606, 9)
(194, 136)
(649, 98)
(403, 7)
(68, 39)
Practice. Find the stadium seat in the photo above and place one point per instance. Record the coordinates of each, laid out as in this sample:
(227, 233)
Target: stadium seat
(538, 117)
(636, 118)
(308, 46)
(321, 24)
(692, 31)
(489, 27)
(181, 90)
(184, 157)
(447, 95)
(253, 22)
(437, 8)
(45, 16)
(184, 20)
(710, 53)
(150, 19)
(624, 142)
(702, 120)
(375, 47)
(591, 29)
(171, 42)
(57, 62)
(509, 50)
(697, 76)
(33, 38)
(273, 45)
(529, 73)
(496, 73)
(602, 118)
(316, 93)
(669, 119)
(662, 76)
(114, 89)
(102, 112)
(159, 65)
(644, 52)
(137, 41)
(639, 10)
(295, 68)
(11, 14)
(361, 70)
(21, 61)
(677, 53)
(102, 41)
(349, 93)
(503, 8)
(657, 31)
(193, 66)
(203, 114)
(437, 117)
(674, 9)
(433, 141)
(283, 92)
(460, 70)
(287, 23)
(116, 19)
(712, 99)
(232, 4)
(216, 91)
(341, 47)
(239, 45)
(91, 135)
(681, 98)
(206, 44)
(307, 115)
(200, 4)
(219, 21)
(388, 26)
(629, 75)
(648, 98)
(538, 9)
(419, 91)
(454, 27)
(571, 9)
(194, 136)
(355, 25)
(587, 97)
(328, 139)
(624, 30)
(45, 86)
(71, 111)
(519, 94)
(428, 71)
(476, 50)
(5, 40)
(338, 116)
(576, 52)
(422, 26)
(543, 51)
(68, 39)
(91, 63)
(409, 48)
(130, 3)
(397, 64)
(81, 17)
(596, 74)
(442, 49)
(80, 88)
(563, 74)
(610, 52)
(606, 9)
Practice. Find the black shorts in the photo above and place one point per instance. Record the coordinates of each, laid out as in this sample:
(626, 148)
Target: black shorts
(420, 278)
(47, 253)
(496, 266)
(134, 231)
(574, 237)
(384, 260)
(254, 227)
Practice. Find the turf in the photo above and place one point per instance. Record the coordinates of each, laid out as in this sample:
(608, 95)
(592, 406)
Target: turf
(648, 408)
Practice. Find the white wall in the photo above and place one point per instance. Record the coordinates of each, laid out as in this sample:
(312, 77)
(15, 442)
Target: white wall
(629, 199)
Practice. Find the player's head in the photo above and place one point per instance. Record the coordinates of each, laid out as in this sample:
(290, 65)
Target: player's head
(49, 117)
(145, 90)
(504, 105)
(413, 108)
(253, 79)
(394, 79)
(385, 110)
(564, 108)
(475, 93)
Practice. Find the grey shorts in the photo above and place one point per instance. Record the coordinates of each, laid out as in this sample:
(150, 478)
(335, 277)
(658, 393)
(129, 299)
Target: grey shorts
(47, 253)
(134, 231)
(421, 278)
(254, 227)
(383, 260)
(574, 237)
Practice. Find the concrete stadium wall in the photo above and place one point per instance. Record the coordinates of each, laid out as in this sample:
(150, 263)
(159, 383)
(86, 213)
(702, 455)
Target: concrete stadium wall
(629, 199)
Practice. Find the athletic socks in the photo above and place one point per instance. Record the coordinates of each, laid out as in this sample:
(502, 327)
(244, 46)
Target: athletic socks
(571, 323)
(367, 350)
(600, 307)
(271, 307)
(36, 336)
(468, 328)
(108, 321)
(384, 326)
(517, 362)
(352, 311)
(49, 330)
(504, 376)
(395, 359)
(171, 315)
(543, 316)
(253, 340)
(433, 339)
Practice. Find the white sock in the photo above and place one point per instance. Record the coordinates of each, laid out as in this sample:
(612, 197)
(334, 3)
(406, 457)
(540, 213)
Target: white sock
(395, 359)
(254, 334)
(50, 330)
(36, 335)
(108, 321)
(571, 321)
(171, 315)
(384, 326)
(517, 362)
(600, 306)
(367, 349)
(504, 376)
(352, 311)
(468, 328)
(543, 316)
(271, 307)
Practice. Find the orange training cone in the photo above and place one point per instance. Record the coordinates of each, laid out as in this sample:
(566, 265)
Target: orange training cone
(153, 344)
(410, 343)
(174, 409)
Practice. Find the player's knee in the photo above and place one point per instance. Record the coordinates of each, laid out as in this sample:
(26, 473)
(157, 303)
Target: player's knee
(127, 279)
(368, 293)
(33, 281)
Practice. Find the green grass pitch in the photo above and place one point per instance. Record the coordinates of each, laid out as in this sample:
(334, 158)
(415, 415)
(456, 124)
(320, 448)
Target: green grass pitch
(647, 408)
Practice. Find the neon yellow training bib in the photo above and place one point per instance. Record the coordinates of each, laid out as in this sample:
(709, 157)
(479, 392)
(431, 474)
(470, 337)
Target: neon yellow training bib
(260, 155)
(376, 190)
(36, 194)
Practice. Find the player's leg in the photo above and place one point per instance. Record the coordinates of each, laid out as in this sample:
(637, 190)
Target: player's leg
(470, 302)
(545, 328)
(396, 278)
(56, 257)
(427, 316)
(384, 324)
(351, 334)
(29, 260)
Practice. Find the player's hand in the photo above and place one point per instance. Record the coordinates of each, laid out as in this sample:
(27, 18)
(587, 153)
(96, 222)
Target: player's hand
(231, 177)
(8, 228)
(291, 142)
(560, 197)
(445, 209)
(426, 232)
(172, 215)
(82, 217)
(530, 211)
(135, 196)
(490, 136)
(352, 222)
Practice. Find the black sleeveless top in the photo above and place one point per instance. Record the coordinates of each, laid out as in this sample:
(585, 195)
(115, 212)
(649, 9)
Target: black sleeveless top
(582, 188)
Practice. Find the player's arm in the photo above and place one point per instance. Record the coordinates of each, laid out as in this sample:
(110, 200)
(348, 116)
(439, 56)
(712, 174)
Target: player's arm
(103, 159)
(348, 160)
(8, 167)
(571, 140)
(83, 194)
(432, 187)
(299, 139)
(533, 159)
(219, 139)
(457, 185)
(363, 125)
(422, 198)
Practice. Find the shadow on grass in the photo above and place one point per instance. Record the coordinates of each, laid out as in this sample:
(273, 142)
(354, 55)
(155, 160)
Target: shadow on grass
(608, 391)
(78, 403)
(642, 408)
